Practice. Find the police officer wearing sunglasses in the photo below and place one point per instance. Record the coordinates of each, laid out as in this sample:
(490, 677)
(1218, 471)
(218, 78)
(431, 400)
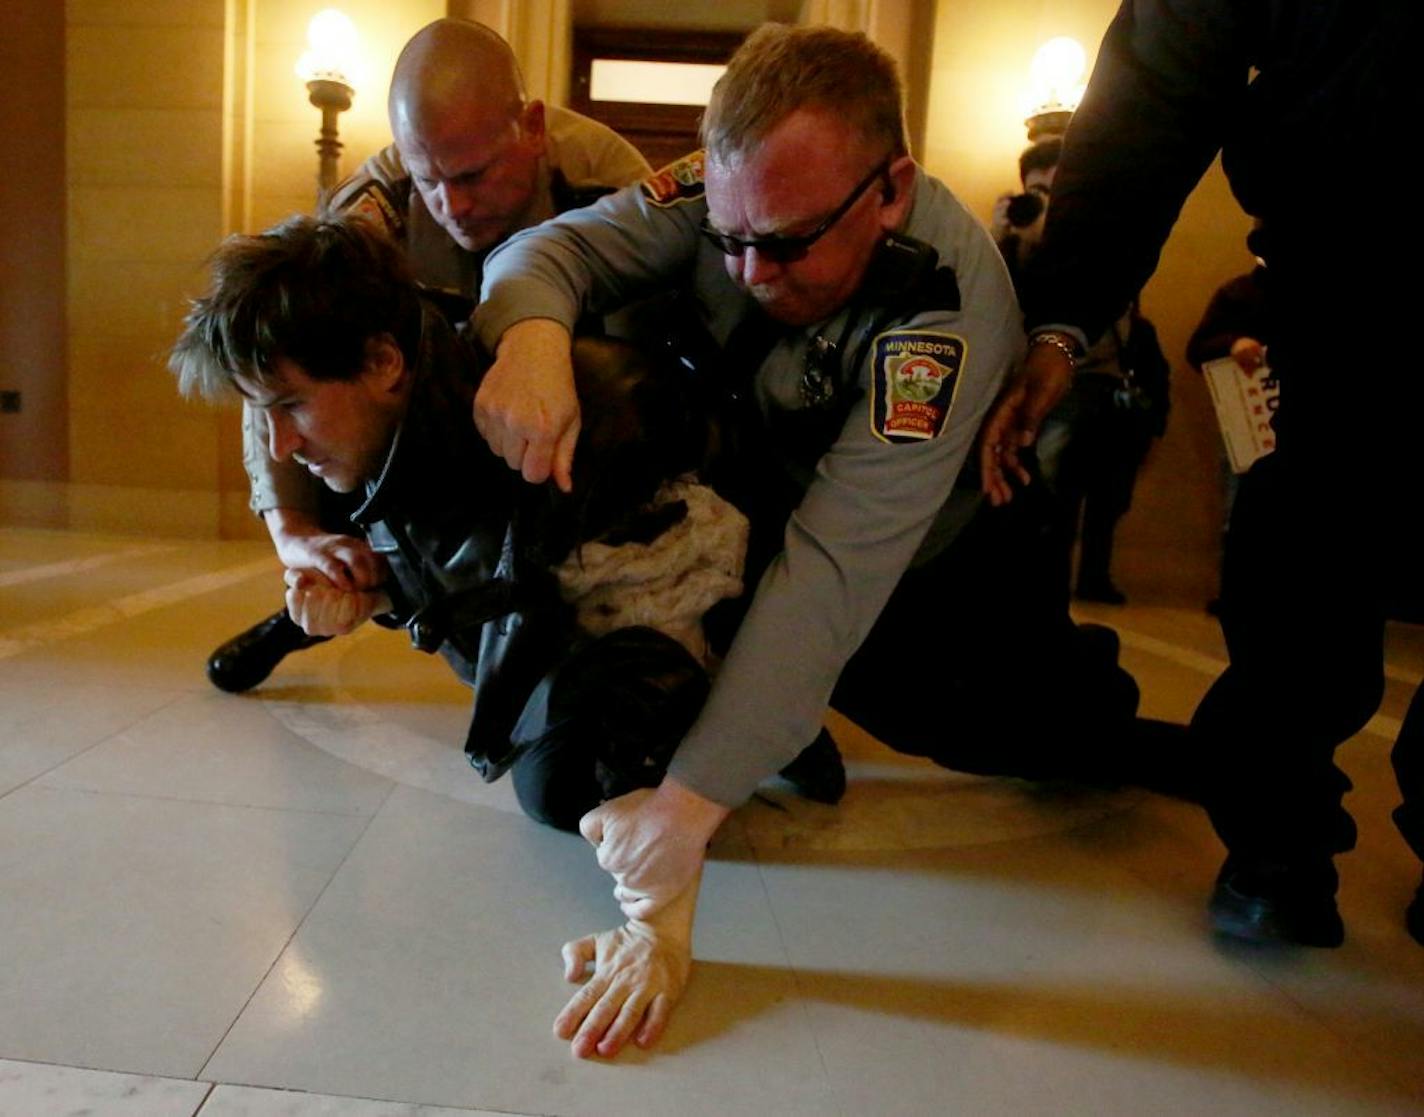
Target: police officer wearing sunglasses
(867, 321)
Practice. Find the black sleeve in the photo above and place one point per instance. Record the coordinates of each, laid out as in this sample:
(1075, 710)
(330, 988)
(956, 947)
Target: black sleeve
(1235, 311)
(1170, 78)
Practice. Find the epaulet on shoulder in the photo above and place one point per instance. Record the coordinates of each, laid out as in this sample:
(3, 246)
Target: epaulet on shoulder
(371, 201)
(678, 182)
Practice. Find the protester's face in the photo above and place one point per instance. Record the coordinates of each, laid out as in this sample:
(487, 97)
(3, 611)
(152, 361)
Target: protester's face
(1040, 181)
(476, 170)
(339, 429)
(801, 173)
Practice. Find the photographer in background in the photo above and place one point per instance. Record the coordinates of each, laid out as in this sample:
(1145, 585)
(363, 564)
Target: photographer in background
(1017, 222)
(1092, 445)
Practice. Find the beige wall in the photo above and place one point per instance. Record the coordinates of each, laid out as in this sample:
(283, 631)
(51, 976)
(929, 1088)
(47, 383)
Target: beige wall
(34, 451)
(1168, 542)
(144, 148)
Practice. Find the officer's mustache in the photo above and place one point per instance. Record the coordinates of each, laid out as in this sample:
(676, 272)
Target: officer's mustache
(763, 292)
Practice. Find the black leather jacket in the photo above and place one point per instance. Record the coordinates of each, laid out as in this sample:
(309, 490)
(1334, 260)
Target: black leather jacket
(445, 513)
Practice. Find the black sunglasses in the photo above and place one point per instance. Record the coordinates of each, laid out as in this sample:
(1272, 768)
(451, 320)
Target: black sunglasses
(786, 250)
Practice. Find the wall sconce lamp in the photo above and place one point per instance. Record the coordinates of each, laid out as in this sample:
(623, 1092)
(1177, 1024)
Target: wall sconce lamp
(329, 67)
(1055, 87)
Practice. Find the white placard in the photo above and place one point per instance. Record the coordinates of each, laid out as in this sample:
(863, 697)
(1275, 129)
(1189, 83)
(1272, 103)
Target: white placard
(1245, 403)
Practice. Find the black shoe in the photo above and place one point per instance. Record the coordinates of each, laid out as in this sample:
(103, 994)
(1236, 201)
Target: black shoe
(1103, 592)
(818, 773)
(1414, 915)
(1161, 759)
(248, 658)
(1267, 905)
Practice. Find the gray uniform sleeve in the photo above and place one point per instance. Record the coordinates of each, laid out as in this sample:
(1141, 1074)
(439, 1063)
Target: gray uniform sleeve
(590, 260)
(862, 518)
(855, 533)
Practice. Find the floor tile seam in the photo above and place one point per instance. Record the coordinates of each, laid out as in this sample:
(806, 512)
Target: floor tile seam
(790, 961)
(296, 930)
(1347, 1042)
(207, 1097)
(100, 1069)
(178, 696)
(149, 797)
(1323, 1020)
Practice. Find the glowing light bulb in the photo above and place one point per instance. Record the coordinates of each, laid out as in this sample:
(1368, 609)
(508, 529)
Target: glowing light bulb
(333, 49)
(1055, 75)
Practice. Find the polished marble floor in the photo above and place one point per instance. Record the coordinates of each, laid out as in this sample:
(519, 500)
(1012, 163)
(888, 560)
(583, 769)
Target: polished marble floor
(301, 901)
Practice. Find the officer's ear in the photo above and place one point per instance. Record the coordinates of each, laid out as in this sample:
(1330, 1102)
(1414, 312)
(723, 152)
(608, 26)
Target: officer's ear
(531, 124)
(385, 372)
(895, 193)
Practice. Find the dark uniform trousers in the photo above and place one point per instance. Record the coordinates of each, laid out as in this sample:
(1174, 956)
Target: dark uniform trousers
(974, 661)
(976, 664)
(1324, 541)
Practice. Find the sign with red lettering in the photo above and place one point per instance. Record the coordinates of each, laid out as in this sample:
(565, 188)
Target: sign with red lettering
(1245, 403)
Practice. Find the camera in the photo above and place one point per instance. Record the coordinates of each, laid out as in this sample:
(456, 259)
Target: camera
(1023, 210)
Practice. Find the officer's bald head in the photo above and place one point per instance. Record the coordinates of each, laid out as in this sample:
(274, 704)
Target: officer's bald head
(465, 133)
(451, 68)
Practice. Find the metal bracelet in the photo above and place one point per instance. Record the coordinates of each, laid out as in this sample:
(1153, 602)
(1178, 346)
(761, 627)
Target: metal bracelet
(1064, 343)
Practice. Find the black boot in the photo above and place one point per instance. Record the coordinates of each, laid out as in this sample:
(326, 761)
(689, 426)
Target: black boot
(1265, 903)
(248, 658)
(818, 773)
(1414, 915)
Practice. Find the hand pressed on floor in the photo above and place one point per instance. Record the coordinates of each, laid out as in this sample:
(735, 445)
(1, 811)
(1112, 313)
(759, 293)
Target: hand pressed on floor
(639, 973)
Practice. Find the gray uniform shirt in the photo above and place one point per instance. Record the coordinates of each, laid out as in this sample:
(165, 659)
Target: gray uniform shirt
(871, 503)
(579, 154)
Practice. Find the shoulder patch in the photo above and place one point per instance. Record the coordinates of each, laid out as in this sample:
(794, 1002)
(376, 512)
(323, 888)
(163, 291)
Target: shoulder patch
(374, 203)
(913, 383)
(677, 182)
